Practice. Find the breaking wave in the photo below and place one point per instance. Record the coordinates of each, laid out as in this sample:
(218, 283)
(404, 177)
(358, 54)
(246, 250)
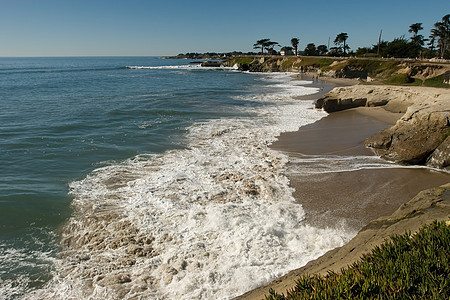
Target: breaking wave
(212, 220)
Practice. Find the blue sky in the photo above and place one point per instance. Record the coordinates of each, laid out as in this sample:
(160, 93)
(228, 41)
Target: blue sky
(169, 27)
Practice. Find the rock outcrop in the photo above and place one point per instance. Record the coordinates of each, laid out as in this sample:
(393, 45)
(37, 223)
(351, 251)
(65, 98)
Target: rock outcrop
(421, 134)
(415, 138)
(296, 64)
(365, 69)
(440, 156)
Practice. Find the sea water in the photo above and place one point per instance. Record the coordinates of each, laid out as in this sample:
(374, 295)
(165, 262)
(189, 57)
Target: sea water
(144, 177)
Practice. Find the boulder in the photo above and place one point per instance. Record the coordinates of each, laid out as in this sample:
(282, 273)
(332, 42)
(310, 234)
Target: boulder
(419, 137)
(212, 64)
(413, 138)
(441, 156)
(332, 104)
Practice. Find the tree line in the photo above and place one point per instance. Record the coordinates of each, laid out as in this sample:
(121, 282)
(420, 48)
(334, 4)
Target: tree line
(436, 45)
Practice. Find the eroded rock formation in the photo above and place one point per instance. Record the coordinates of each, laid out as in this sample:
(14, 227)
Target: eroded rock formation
(421, 134)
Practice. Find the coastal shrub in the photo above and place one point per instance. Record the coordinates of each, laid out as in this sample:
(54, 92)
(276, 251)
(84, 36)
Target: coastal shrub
(437, 81)
(243, 60)
(406, 267)
(339, 66)
(321, 62)
(376, 67)
(402, 79)
(290, 61)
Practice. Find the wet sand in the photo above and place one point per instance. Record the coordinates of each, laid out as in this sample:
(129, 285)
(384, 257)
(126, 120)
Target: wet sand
(353, 198)
(350, 199)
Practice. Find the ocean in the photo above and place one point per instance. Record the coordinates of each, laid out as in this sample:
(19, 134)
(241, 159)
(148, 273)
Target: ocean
(144, 177)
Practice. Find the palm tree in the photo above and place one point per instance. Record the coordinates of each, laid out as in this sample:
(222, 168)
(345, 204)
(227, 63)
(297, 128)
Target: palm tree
(341, 38)
(415, 28)
(294, 43)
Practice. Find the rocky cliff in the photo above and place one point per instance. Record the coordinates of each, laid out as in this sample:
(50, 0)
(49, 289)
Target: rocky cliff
(421, 136)
(356, 68)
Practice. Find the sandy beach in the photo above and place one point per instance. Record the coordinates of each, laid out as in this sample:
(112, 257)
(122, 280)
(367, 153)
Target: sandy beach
(357, 197)
(350, 199)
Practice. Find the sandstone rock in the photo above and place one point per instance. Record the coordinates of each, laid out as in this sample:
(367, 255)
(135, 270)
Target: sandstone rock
(421, 130)
(412, 139)
(377, 102)
(215, 64)
(332, 104)
(441, 156)
(397, 106)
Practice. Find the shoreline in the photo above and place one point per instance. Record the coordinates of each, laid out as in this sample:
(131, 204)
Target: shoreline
(351, 199)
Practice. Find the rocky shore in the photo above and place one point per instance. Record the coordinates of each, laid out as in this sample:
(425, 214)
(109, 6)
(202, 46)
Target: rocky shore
(420, 136)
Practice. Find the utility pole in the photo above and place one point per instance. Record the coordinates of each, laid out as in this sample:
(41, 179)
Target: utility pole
(379, 42)
(328, 43)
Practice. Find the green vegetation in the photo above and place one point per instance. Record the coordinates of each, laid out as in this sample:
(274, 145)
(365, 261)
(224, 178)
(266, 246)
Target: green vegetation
(243, 60)
(402, 79)
(317, 62)
(407, 267)
(339, 41)
(294, 43)
(265, 44)
(441, 34)
(387, 71)
(401, 47)
(320, 62)
(437, 81)
(376, 67)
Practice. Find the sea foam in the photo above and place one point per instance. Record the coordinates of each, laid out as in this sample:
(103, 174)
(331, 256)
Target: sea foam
(212, 220)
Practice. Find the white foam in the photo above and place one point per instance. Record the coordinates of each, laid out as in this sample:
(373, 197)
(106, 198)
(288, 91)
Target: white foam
(316, 164)
(210, 221)
(177, 67)
(14, 260)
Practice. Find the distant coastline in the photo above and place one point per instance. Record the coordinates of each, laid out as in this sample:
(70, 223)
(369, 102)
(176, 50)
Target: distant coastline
(391, 71)
(210, 55)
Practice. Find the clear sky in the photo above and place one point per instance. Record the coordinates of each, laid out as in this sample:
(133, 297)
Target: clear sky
(169, 27)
